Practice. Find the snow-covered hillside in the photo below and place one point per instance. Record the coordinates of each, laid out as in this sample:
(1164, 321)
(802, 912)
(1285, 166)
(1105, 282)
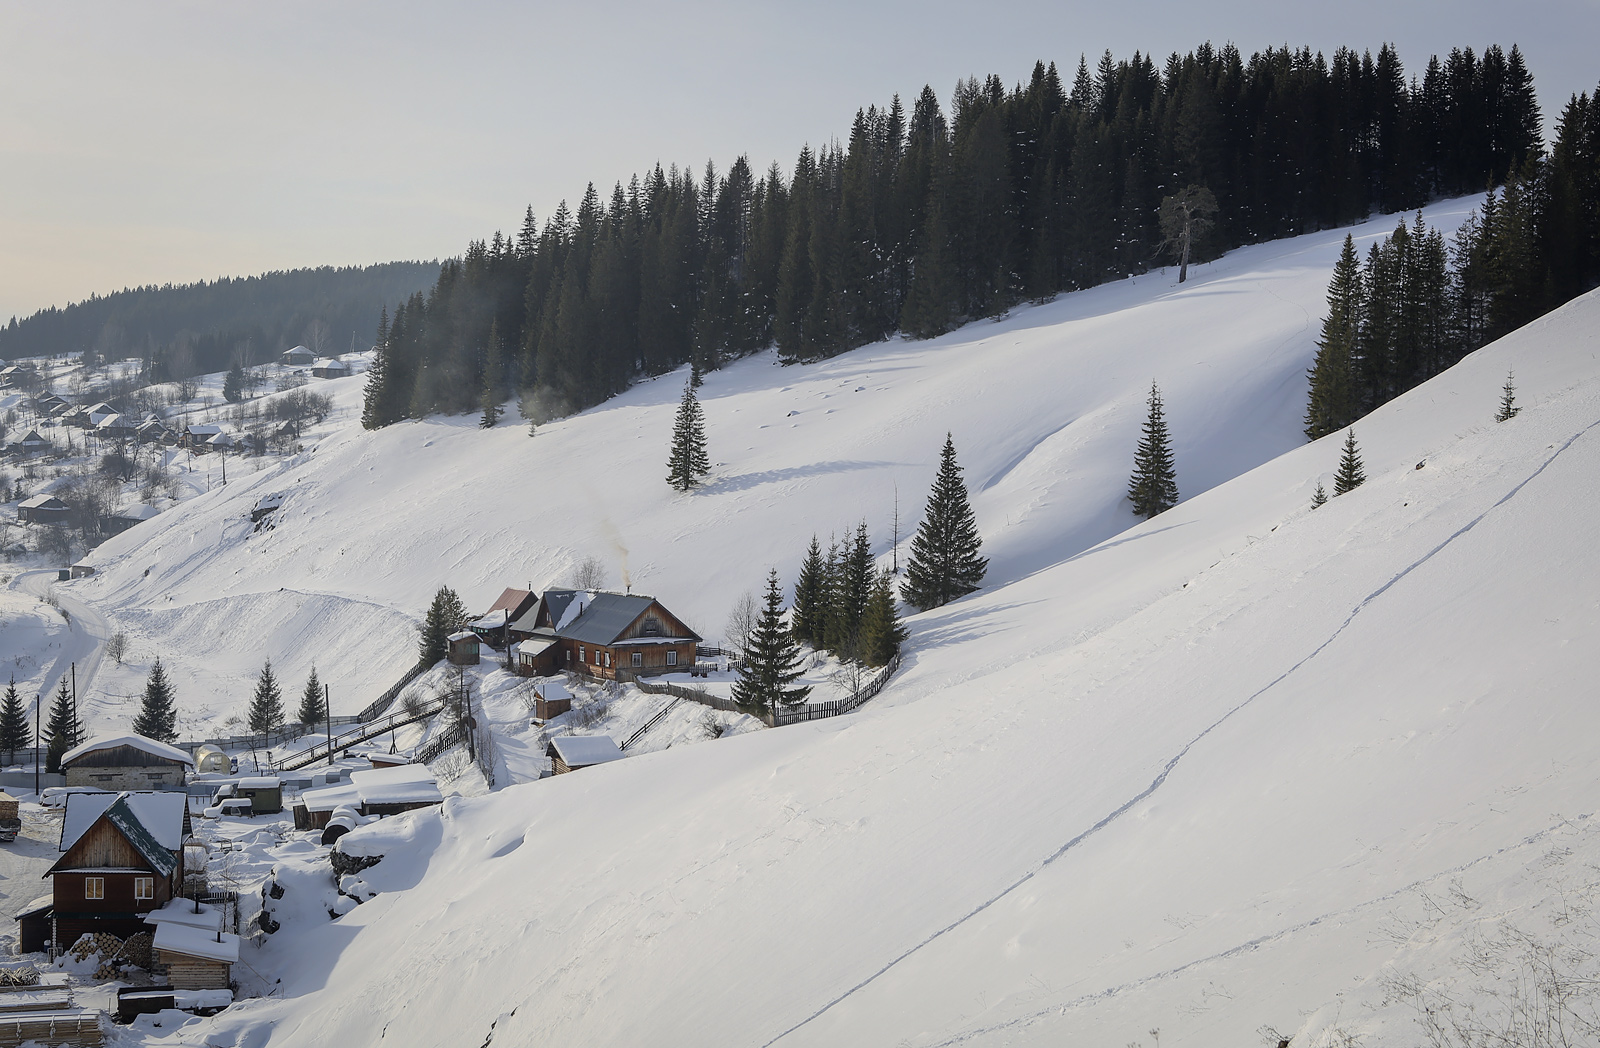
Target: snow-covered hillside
(1241, 771)
(1045, 408)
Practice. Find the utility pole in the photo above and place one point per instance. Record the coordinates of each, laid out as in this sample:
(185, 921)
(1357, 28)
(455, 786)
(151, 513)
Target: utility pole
(38, 700)
(75, 719)
(896, 569)
(327, 713)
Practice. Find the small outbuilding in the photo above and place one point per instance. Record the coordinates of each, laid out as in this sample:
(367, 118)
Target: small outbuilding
(126, 762)
(42, 509)
(463, 648)
(208, 760)
(330, 367)
(571, 752)
(390, 791)
(298, 357)
(120, 521)
(265, 793)
(196, 958)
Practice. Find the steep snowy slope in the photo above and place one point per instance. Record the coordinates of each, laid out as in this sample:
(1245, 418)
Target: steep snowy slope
(1045, 408)
(1196, 778)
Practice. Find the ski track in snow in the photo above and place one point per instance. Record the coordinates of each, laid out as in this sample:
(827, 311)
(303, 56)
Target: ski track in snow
(1172, 763)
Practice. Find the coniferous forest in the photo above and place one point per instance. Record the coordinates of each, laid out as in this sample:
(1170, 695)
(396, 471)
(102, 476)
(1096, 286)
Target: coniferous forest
(927, 217)
(195, 329)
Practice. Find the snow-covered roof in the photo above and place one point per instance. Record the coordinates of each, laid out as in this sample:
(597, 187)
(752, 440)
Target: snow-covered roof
(464, 635)
(492, 621)
(533, 647)
(113, 422)
(330, 364)
(41, 502)
(143, 511)
(138, 742)
(182, 911)
(583, 750)
(330, 797)
(197, 942)
(152, 822)
(204, 429)
(605, 617)
(261, 782)
(406, 784)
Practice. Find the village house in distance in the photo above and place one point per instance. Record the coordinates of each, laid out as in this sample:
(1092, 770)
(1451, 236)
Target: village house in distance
(607, 635)
(126, 762)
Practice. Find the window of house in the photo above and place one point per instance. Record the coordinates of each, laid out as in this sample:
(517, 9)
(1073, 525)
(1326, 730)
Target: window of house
(652, 628)
(638, 658)
(144, 887)
(672, 657)
(608, 660)
(94, 887)
(581, 656)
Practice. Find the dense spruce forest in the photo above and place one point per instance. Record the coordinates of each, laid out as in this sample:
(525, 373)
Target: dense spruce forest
(193, 329)
(923, 220)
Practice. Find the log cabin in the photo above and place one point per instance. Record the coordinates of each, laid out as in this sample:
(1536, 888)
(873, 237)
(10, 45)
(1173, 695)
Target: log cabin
(121, 857)
(602, 633)
(126, 762)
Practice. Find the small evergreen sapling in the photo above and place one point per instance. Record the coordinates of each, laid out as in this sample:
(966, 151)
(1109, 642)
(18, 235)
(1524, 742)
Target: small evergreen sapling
(772, 659)
(158, 715)
(688, 461)
(1318, 497)
(1508, 401)
(1154, 487)
(266, 707)
(944, 561)
(1350, 475)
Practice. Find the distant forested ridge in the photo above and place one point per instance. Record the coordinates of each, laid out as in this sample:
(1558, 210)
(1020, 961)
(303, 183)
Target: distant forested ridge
(189, 329)
(921, 221)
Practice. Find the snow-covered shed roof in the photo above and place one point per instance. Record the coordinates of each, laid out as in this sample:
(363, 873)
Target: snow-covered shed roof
(114, 421)
(261, 782)
(578, 751)
(138, 742)
(330, 797)
(42, 502)
(405, 784)
(197, 942)
(464, 635)
(204, 429)
(330, 364)
(533, 647)
(182, 911)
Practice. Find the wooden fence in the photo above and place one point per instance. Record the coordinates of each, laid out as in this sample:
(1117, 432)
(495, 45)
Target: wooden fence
(384, 701)
(820, 710)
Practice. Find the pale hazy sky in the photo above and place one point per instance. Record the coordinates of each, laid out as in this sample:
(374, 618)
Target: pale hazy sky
(152, 142)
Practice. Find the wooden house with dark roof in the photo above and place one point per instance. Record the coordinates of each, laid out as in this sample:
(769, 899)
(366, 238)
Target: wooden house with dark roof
(121, 857)
(494, 624)
(601, 634)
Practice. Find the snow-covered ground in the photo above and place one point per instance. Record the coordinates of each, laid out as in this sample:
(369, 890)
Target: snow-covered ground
(1045, 408)
(1244, 770)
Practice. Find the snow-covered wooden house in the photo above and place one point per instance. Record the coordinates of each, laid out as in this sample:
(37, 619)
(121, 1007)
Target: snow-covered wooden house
(42, 509)
(330, 367)
(298, 357)
(121, 856)
(192, 946)
(463, 648)
(571, 752)
(126, 762)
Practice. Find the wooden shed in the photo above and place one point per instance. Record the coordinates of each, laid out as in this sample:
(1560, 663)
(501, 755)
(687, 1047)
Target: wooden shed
(196, 958)
(571, 752)
(126, 762)
(42, 509)
(463, 648)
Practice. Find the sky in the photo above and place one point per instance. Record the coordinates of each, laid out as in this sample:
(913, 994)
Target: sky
(146, 143)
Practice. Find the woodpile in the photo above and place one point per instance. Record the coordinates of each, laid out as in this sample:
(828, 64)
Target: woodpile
(114, 953)
(27, 975)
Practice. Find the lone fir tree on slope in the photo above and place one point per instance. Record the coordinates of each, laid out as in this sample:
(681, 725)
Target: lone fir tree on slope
(1350, 475)
(158, 716)
(1508, 401)
(944, 560)
(772, 659)
(1154, 487)
(266, 707)
(688, 461)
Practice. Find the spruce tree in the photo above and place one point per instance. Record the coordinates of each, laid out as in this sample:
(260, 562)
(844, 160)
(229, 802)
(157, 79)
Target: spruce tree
(805, 620)
(377, 394)
(446, 615)
(63, 730)
(944, 561)
(266, 707)
(158, 715)
(1508, 401)
(1153, 488)
(1318, 497)
(881, 631)
(1334, 397)
(233, 385)
(772, 659)
(15, 732)
(493, 375)
(688, 461)
(1350, 475)
(313, 706)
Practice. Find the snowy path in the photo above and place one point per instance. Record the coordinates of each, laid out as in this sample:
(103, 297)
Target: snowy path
(89, 631)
